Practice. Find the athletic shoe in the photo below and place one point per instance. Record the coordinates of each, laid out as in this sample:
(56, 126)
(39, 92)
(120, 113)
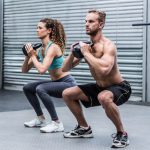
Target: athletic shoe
(79, 132)
(35, 123)
(53, 127)
(120, 140)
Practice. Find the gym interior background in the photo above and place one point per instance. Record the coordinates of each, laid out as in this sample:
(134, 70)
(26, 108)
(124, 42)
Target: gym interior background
(18, 21)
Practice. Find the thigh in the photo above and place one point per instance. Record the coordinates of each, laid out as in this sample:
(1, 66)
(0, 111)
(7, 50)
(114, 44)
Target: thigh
(54, 89)
(121, 94)
(91, 90)
(32, 85)
(76, 93)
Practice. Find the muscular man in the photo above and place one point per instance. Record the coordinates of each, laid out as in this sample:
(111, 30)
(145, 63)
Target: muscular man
(110, 89)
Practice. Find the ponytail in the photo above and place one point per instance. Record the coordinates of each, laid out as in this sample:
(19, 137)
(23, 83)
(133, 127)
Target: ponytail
(58, 34)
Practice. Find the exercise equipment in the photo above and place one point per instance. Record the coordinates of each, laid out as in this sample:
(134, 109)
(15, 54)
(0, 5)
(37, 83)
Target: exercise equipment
(77, 49)
(35, 47)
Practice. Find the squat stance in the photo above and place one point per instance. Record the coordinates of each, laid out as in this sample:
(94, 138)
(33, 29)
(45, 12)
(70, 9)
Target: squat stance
(48, 58)
(110, 89)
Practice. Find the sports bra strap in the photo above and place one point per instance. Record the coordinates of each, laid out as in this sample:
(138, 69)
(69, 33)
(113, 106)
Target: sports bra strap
(47, 47)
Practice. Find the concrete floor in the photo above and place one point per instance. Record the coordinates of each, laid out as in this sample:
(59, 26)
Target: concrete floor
(14, 136)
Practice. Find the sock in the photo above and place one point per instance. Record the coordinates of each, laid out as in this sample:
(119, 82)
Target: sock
(85, 127)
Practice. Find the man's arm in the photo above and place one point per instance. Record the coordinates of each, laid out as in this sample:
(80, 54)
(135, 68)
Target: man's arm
(70, 62)
(104, 64)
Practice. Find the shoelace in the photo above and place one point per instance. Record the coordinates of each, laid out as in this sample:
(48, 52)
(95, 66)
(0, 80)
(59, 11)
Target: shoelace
(117, 135)
(76, 128)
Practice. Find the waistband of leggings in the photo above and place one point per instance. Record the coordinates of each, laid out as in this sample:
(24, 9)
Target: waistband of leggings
(64, 78)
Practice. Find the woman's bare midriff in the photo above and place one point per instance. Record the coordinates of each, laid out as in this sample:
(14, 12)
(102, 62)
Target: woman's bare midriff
(57, 74)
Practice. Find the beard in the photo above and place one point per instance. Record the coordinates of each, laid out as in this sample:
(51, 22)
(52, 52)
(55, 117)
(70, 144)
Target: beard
(92, 33)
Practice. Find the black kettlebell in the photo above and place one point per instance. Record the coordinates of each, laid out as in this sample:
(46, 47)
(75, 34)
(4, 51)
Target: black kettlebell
(35, 47)
(77, 50)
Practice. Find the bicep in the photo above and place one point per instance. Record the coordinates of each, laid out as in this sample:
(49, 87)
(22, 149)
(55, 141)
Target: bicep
(47, 61)
(108, 58)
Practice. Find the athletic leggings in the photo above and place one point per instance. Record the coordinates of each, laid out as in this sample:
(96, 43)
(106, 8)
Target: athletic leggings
(45, 89)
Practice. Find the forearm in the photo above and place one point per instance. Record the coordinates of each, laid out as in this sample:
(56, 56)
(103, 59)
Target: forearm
(26, 67)
(39, 66)
(98, 64)
(68, 63)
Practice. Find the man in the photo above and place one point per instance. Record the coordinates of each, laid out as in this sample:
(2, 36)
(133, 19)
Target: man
(110, 89)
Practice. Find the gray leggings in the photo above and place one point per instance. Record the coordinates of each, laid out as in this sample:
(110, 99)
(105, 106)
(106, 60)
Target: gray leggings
(45, 89)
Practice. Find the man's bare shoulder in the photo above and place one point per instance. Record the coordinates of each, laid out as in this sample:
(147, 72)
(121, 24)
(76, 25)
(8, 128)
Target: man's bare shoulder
(109, 45)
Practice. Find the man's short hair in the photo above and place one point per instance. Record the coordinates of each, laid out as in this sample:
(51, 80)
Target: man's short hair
(101, 14)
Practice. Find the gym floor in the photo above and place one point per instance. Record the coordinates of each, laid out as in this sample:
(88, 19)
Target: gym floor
(15, 109)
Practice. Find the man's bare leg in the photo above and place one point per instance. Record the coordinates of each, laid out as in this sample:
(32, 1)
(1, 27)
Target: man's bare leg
(72, 97)
(111, 109)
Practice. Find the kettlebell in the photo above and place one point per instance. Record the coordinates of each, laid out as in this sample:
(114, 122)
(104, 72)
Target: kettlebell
(77, 50)
(35, 47)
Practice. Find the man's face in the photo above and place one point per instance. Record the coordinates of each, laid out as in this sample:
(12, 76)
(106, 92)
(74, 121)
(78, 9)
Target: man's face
(92, 24)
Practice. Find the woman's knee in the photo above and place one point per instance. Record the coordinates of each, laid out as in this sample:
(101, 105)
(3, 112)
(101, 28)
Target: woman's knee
(40, 89)
(27, 87)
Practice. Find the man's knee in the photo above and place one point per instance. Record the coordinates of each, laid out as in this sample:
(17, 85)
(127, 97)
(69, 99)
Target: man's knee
(105, 98)
(67, 93)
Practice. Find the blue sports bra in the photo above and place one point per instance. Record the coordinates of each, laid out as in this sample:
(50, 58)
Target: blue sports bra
(57, 61)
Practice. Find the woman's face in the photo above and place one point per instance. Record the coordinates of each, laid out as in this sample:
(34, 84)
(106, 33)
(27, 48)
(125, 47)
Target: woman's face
(42, 31)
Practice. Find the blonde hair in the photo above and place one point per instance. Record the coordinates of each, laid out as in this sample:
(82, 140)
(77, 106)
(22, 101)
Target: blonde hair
(101, 15)
(58, 34)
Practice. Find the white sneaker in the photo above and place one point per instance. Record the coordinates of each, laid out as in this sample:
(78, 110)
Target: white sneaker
(52, 127)
(35, 123)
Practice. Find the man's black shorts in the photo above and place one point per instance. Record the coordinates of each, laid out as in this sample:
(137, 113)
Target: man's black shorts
(121, 92)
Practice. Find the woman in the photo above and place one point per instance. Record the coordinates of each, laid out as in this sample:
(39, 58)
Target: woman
(48, 58)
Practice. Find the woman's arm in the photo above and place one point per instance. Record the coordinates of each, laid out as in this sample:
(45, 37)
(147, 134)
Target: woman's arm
(51, 53)
(27, 65)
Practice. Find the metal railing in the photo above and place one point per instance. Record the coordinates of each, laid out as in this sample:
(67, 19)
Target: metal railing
(141, 24)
